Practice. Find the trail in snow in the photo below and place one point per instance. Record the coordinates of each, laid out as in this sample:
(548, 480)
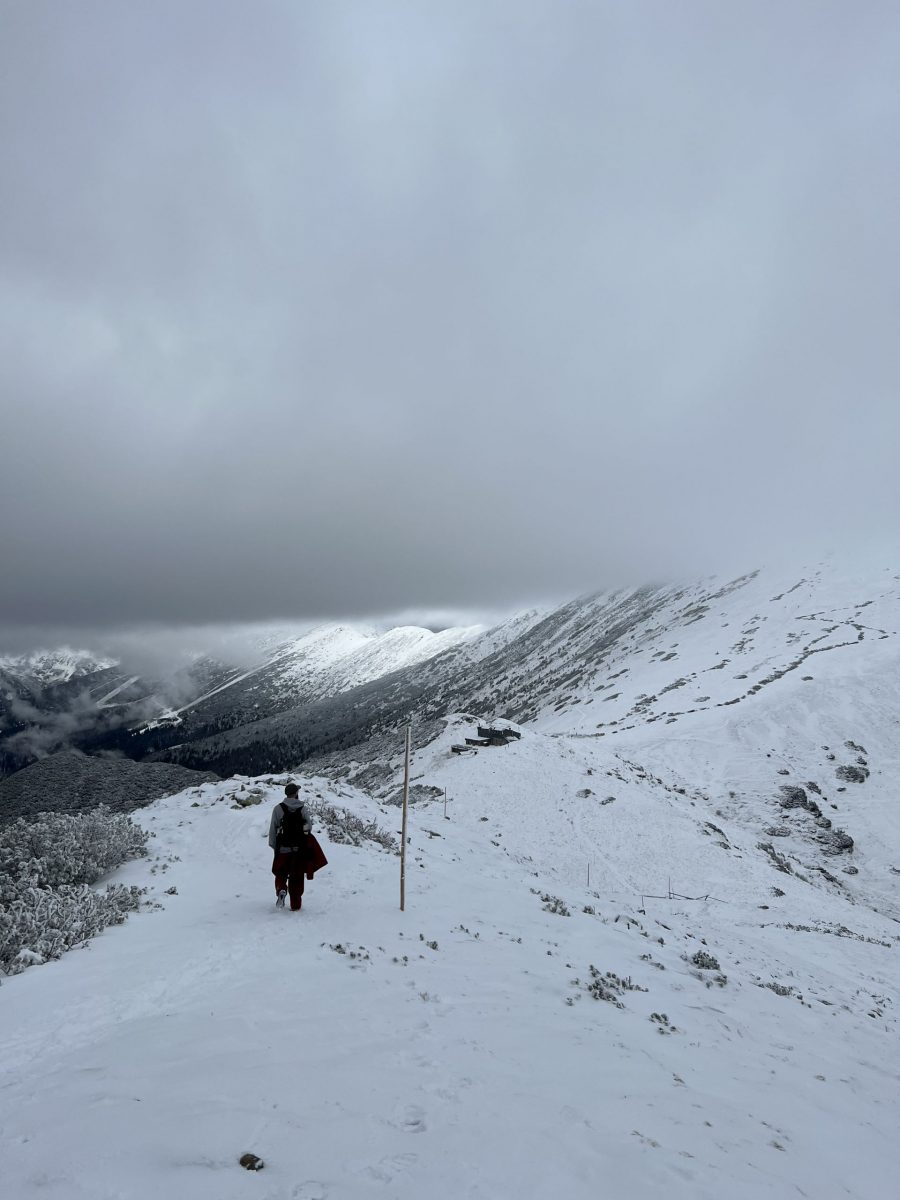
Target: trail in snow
(447, 1051)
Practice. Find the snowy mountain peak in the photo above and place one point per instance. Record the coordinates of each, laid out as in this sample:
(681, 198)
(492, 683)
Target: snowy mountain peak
(325, 643)
(344, 656)
(55, 666)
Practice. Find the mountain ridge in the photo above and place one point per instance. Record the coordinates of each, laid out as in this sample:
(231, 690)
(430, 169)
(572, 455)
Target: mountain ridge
(55, 700)
(602, 665)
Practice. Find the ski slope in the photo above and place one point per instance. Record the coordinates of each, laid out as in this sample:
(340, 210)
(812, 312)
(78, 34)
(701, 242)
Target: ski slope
(448, 1051)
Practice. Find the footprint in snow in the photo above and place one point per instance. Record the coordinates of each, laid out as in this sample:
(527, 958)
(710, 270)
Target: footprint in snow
(411, 1119)
(386, 1168)
(310, 1190)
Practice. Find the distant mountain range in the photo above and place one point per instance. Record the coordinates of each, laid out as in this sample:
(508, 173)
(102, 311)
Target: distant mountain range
(600, 666)
(50, 667)
(65, 698)
(50, 700)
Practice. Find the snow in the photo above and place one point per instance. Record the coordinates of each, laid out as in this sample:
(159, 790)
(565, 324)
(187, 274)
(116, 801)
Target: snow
(728, 642)
(146, 1064)
(456, 1049)
(104, 700)
(337, 658)
(55, 666)
(488, 641)
(333, 658)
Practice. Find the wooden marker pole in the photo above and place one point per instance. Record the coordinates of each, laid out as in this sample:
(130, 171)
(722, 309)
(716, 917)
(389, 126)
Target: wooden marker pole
(403, 828)
(445, 804)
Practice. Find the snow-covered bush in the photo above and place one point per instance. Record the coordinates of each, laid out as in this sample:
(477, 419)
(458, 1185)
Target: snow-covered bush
(852, 774)
(705, 962)
(46, 868)
(57, 849)
(608, 986)
(778, 860)
(345, 828)
(555, 904)
(41, 923)
(836, 841)
(662, 1023)
(780, 989)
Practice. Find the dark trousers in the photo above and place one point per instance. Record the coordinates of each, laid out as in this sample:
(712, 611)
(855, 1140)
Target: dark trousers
(288, 869)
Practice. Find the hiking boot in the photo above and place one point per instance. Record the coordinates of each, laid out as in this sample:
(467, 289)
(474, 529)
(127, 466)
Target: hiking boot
(279, 903)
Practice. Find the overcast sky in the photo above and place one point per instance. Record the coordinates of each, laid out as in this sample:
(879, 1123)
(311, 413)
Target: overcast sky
(314, 310)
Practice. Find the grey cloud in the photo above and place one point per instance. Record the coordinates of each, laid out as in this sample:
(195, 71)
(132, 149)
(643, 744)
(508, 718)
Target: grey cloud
(320, 311)
(48, 732)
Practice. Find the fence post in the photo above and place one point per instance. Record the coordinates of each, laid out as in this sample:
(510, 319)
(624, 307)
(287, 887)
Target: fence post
(403, 827)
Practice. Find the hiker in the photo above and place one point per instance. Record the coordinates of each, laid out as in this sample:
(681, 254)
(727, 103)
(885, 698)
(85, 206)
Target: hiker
(297, 853)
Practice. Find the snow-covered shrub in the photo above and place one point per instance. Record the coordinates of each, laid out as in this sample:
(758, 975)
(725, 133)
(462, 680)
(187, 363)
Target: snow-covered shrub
(792, 796)
(41, 923)
(778, 860)
(705, 962)
(345, 828)
(46, 868)
(851, 774)
(836, 841)
(780, 989)
(662, 1023)
(554, 904)
(608, 986)
(57, 849)
(360, 954)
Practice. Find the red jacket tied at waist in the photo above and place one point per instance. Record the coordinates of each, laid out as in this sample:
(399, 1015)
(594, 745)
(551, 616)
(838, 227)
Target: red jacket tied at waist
(315, 859)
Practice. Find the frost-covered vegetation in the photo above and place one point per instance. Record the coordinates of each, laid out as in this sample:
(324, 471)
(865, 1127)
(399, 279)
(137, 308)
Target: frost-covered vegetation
(346, 828)
(71, 782)
(47, 868)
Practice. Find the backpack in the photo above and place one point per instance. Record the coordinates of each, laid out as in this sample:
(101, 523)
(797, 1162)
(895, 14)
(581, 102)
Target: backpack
(292, 832)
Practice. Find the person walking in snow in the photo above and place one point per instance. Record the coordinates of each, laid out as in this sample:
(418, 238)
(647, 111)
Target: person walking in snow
(297, 853)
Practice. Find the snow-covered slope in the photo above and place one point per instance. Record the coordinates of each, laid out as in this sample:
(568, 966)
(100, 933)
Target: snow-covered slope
(514, 1033)
(335, 658)
(652, 952)
(614, 665)
(51, 701)
(323, 662)
(722, 643)
(54, 666)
